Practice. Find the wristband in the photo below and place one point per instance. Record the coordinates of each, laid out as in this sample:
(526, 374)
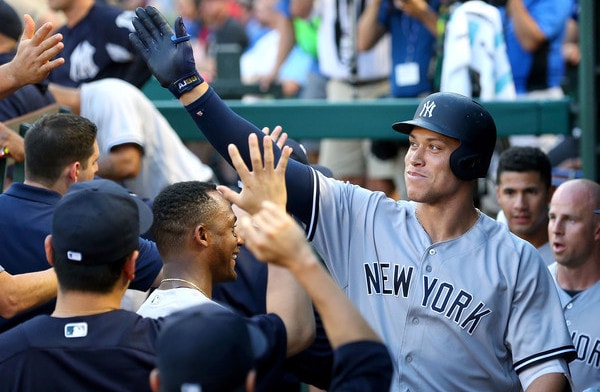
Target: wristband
(185, 84)
(176, 40)
(4, 151)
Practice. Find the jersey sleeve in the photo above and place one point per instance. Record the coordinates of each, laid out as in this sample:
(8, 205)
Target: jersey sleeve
(147, 266)
(536, 303)
(222, 126)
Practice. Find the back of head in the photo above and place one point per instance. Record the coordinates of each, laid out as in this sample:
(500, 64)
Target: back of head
(462, 118)
(10, 25)
(177, 209)
(205, 348)
(55, 141)
(95, 227)
(525, 159)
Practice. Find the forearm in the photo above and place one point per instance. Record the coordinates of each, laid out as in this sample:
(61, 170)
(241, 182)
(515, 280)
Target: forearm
(221, 127)
(429, 19)
(301, 8)
(528, 33)
(121, 164)
(369, 29)
(287, 39)
(550, 382)
(8, 82)
(287, 299)
(24, 291)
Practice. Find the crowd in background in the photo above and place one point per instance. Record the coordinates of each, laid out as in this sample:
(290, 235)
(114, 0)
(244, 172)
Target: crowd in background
(284, 49)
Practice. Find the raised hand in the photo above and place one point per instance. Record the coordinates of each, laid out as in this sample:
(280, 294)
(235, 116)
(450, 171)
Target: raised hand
(264, 182)
(169, 54)
(32, 62)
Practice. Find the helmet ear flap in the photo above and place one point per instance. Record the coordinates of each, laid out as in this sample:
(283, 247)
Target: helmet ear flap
(465, 167)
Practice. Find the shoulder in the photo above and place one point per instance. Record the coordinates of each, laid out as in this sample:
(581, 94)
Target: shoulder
(14, 341)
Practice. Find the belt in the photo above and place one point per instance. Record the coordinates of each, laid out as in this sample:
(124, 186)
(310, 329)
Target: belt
(367, 82)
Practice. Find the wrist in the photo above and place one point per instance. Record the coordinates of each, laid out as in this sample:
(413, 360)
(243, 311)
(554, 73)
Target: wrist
(185, 84)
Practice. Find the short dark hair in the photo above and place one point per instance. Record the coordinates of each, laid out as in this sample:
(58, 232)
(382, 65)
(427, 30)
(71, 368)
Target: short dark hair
(177, 209)
(99, 278)
(524, 159)
(53, 142)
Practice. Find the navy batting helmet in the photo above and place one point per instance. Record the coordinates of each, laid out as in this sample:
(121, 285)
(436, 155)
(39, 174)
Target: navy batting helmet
(461, 118)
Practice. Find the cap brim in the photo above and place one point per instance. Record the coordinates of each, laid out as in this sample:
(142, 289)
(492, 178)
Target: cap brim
(404, 126)
(597, 212)
(145, 213)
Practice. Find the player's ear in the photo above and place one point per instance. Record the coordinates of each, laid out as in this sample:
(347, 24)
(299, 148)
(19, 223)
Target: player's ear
(154, 380)
(48, 249)
(201, 235)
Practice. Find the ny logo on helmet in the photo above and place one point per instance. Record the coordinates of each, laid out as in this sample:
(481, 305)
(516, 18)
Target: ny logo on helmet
(427, 109)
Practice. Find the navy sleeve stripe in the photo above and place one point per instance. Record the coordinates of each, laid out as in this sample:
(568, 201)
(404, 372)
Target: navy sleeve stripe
(566, 352)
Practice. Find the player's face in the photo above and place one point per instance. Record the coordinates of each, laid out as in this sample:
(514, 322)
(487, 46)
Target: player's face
(87, 173)
(224, 242)
(524, 200)
(427, 175)
(573, 229)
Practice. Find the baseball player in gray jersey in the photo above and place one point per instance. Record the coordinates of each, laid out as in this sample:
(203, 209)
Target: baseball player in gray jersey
(461, 303)
(574, 232)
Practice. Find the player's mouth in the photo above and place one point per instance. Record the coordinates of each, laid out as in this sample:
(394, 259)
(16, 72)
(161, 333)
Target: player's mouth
(521, 219)
(558, 247)
(414, 174)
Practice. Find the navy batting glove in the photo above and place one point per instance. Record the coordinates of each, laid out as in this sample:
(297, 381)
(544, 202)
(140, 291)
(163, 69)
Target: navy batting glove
(169, 55)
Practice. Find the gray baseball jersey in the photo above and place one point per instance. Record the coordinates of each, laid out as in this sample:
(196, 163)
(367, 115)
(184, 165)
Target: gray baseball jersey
(581, 316)
(465, 314)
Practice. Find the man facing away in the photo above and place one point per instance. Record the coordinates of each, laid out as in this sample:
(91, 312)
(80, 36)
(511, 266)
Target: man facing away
(87, 340)
(60, 150)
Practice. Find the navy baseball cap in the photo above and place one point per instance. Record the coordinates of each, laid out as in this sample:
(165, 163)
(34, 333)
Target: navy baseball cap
(207, 348)
(597, 212)
(98, 222)
(11, 25)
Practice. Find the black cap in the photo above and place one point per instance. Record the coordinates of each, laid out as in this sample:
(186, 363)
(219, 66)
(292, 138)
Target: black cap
(98, 222)
(207, 348)
(10, 23)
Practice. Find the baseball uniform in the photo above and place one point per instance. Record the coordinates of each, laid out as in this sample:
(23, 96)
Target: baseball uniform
(464, 314)
(98, 47)
(582, 322)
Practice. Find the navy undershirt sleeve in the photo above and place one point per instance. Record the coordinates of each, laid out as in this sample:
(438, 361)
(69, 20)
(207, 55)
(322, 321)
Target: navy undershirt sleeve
(222, 126)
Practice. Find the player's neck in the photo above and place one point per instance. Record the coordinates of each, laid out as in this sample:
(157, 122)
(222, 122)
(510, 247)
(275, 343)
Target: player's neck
(77, 12)
(581, 277)
(445, 223)
(176, 274)
(78, 303)
(537, 239)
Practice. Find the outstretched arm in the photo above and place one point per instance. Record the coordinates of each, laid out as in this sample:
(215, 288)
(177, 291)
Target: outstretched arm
(285, 297)
(274, 237)
(170, 58)
(24, 291)
(32, 63)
